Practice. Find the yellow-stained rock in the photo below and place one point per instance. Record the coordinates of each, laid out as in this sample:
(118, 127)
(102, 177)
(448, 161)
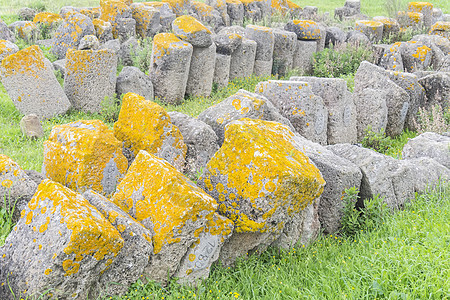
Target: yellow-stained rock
(425, 8)
(372, 29)
(193, 31)
(113, 10)
(103, 30)
(441, 28)
(179, 7)
(144, 125)
(47, 18)
(147, 19)
(305, 29)
(84, 155)
(408, 19)
(285, 7)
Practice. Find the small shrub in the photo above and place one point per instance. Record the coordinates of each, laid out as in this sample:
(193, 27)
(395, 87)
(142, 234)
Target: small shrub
(340, 60)
(433, 119)
(6, 214)
(377, 141)
(110, 109)
(350, 220)
(142, 57)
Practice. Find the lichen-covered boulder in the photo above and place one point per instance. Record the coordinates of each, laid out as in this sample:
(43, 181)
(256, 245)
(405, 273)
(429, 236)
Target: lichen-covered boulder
(305, 29)
(425, 8)
(286, 7)
(189, 29)
(133, 260)
(260, 181)
(242, 104)
(179, 7)
(16, 188)
(90, 78)
(373, 29)
(114, 11)
(61, 245)
(144, 125)
(169, 68)
(84, 155)
(48, 20)
(392, 58)
(441, 29)
(174, 208)
(7, 48)
(334, 36)
(208, 15)
(296, 101)
(147, 20)
(31, 84)
(166, 15)
(390, 26)
(429, 144)
(89, 42)
(25, 30)
(410, 19)
(415, 56)
(133, 80)
(69, 34)
(103, 30)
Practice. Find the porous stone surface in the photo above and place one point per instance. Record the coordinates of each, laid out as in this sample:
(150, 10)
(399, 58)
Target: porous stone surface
(5, 32)
(189, 29)
(7, 48)
(296, 101)
(243, 59)
(227, 40)
(147, 18)
(126, 28)
(235, 10)
(169, 70)
(16, 188)
(84, 155)
(26, 30)
(242, 104)
(285, 43)
(428, 172)
(357, 38)
(260, 181)
(60, 65)
(132, 262)
(334, 36)
(371, 111)
(429, 144)
(222, 70)
(201, 71)
(200, 139)
(437, 89)
(372, 29)
(144, 125)
(103, 30)
(62, 242)
(303, 55)
(31, 126)
(305, 29)
(425, 8)
(89, 42)
(264, 38)
(90, 78)
(133, 80)
(174, 208)
(341, 126)
(114, 11)
(31, 84)
(415, 56)
(127, 50)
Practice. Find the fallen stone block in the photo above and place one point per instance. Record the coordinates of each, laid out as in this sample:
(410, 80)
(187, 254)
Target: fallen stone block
(429, 144)
(133, 80)
(7, 48)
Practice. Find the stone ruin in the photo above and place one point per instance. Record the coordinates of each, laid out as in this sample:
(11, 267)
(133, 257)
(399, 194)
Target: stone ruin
(115, 205)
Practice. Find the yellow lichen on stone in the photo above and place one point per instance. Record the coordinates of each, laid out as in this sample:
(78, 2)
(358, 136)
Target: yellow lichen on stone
(143, 16)
(262, 167)
(284, 6)
(441, 28)
(155, 191)
(189, 25)
(47, 18)
(163, 43)
(419, 6)
(90, 233)
(179, 7)
(8, 165)
(203, 9)
(100, 25)
(77, 154)
(26, 61)
(113, 9)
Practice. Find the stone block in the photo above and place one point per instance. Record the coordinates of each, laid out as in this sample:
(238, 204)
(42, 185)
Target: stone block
(31, 126)
(372, 29)
(201, 71)
(7, 48)
(264, 38)
(147, 20)
(305, 29)
(285, 43)
(133, 80)
(222, 70)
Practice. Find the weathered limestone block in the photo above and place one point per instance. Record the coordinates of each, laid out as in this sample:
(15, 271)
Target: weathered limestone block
(256, 10)
(440, 47)
(373, 29)
(260, 181)
(166, 15)
(169, 70)
(89, 42)
(390, 26)
(31, 126)
(392, 58)
(334, 36)
(228, 39)
(441, 28)
(235, 10)
(221, 7)
(103, 30)
(357, 38)
(127, 50)
(428, 172)
(92, 13)
(286, 7)
(132, 262)
(303, 55)
(305, 29)
(133, 80)
(429, 144)
(285, 43)
(201, 141)
(390, 178)
(174, 208)
(243, 59)
(144, 125)
(31, 84)
(207, 15)
(90, 78)
(16, 188)
(410, 19)
(264, 38)
(47, 19)
(25, 30)
(113, 11)
(61, 244)
(243, 104)
(126, 28)
(341, 126)
(179, 7)
(5, 32)
(147, 20)
(7, 48)
(296, 101)
(189, 29)
(415, 56)
(222, 70)
(201, 71)
(372, 111)
(437, 89)
(84, 155)
(70, 32)
(425, 8)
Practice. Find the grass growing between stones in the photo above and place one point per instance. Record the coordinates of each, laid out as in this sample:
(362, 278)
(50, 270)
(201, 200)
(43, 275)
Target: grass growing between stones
(405, 257)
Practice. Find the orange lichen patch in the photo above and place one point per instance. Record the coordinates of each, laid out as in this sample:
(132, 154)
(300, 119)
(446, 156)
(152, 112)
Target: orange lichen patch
(440, 26)
(143, 16)
(368, 23)
(163, 43)
(91, 234)
(284, 6)
(27, 61)
(253, 154)
(91, 13)
(47, 18)
(189, 24)
(233, 2)
(421, 53)
(153, 190)
(144, 125)
(412, 17)
(419, 6)
(309, 29)
(100, 26)
(77, 155)
(202, 9)
(111, 10)
(179, 7)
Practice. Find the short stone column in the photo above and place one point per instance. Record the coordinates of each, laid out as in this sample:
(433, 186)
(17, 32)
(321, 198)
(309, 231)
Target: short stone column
(264, 38)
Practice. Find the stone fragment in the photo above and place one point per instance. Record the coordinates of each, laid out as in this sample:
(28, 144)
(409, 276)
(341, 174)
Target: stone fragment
(84, 155)
(242, 104)
(334, 36)
(235, 10)
(264, 38)
(256, 10)
(103, 30)
(410, 19)
(260, 181)
(133, 80)
(166, 15)
(415, 56)
(144, 125)
(207, 15)
(372, 111)
(147, 20)
(392, 58)
(113, 11)
(90, 78)
(285, 43)
(127, 50)
(425, 8)
(89, 42)
(286, 8)
(36, 176)
(126, 28)
(441, 29)
(221, 7)
(25, 30)
(7, 48)
(429, 144)
(179, 7)
(296, 101)
(390, 26)
(427, 173)
(5, 33)
(222, 70)
(189, 29)
(357, 38)
(16, 188)
(437, 89)
(31, 126)
(227, 41)
(61, 244)
(31, 84)
(372, 29)
(169, 70)
(201, 71)
(305, 29)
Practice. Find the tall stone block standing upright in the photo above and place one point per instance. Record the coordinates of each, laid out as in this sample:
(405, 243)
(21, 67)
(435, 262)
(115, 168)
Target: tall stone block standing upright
(201, 70)
(235, 10)
(114, 11)
(169, 70)
(424, 8)
(372, 29)
(31, 84)
(283, 51)
(264, 38)
(84, 155)
(90, 78)
(147, 20)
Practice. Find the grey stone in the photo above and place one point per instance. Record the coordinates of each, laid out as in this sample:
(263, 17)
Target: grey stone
(372, 111)
(429, 144)
(322, 39)
(128, 51)
(235, 10)
(169, 70)
(7, 48)
(432, 41)
(133, 80)
(5, 33)
(341, 126)
(391, 27)
(104, 31)
(445, 66)
(60, 65)
(437, 89)
(31, 126)
(264, 38)
(112, 45)
(304, 53)
(93, 84)
(36, 176)
(334, 36)
(66, 11)
(50, 257)
(201, 71)
(148, 20)
(89, 42)
(201, 141)
(243, 104)
(31, 84)
(192, 31)
(427, 173)
(126, 28)
(133, 259)
(285, 43)
(26, 14)
(222, 70)
(392, 59)
(415, 56)
(243, 60)
(227, 42)
(372, 29)
(382, 175)
(357, 38)
(305, 29)
(296, 101)
(26, 30)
